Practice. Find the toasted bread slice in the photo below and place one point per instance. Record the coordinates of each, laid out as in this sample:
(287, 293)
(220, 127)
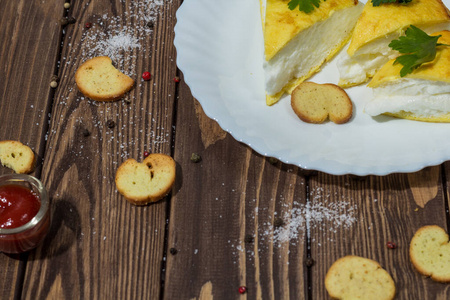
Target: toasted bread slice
(355, 277)
(99, 80)
(377, 26)
(429, 252)
(17, 156)
(296, 44)
(149, 181)
(423, 95)
(315, 103)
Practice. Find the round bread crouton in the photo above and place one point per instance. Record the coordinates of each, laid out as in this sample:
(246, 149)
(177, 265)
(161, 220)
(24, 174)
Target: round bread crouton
(149, 181)
(354, 277)
(17, 156)
(99, 80)
(429, 252)
(315, 103)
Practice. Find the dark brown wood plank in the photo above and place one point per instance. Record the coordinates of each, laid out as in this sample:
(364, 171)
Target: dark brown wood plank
(222, 210)
(388, 208)
(28, 53)
(222, 215)
(101, 246)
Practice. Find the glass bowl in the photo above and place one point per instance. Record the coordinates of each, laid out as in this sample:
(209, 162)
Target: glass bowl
(28, 236)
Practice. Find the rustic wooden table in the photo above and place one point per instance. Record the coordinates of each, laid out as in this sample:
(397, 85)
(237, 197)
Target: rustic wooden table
(223, 225)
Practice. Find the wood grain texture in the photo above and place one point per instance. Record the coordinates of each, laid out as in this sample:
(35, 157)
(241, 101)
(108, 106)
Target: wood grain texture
(101, 246)
(210, 130)
(28, 52)
(30, 38)
(386, 210)
(222, 227)
(423, 185)
(12, 267)
(222, 214)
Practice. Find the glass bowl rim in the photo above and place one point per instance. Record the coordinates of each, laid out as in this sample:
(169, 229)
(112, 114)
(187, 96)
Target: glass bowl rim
(43, 197)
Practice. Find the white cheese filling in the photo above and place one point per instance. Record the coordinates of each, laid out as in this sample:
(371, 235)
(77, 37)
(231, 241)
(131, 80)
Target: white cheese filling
(309, 49)
(421, 97)
(371, 57)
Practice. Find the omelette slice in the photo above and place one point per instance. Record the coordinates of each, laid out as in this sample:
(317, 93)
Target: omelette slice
(296, 44)
(377, 26)
(423, 95)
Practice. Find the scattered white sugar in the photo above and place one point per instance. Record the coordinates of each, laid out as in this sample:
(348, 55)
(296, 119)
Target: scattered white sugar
(119, 37)
(124, 39)
(317, 220)
(315, 215)
(113, 45)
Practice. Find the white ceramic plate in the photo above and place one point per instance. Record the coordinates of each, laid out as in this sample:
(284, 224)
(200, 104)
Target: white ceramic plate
(220, 52)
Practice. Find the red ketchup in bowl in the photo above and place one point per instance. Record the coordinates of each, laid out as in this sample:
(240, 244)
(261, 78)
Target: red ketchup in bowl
(18, 205)
(24, 213)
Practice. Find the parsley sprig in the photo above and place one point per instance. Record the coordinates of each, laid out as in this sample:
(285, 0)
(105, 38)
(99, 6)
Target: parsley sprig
(417, 48)
(306, 6)
(379, 2)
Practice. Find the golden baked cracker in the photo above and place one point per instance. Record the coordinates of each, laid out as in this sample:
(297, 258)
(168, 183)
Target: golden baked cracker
(315, 103)
(17, 156)
(149, 181)
(429, 252)
(99, 80)
(354, 277)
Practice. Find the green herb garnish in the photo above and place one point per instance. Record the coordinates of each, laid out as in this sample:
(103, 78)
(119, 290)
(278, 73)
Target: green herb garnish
(306, 6)
(379, 2)
(417, 47)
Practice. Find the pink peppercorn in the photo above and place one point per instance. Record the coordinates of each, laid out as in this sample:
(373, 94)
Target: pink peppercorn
(146, 76)
(391, 245)
(242, 289)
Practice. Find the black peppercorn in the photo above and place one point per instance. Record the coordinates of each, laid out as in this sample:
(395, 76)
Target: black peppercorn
(196, 158)
(309, 262)
(173, 251)
(248, 238)
(278, 222)
(86, 132)
(71, 20)
(110, 124)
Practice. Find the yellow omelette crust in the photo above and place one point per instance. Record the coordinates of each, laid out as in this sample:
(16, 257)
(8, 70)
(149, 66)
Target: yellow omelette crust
(437, 70)
(379, 21)
(445, 118)
(282, 24)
